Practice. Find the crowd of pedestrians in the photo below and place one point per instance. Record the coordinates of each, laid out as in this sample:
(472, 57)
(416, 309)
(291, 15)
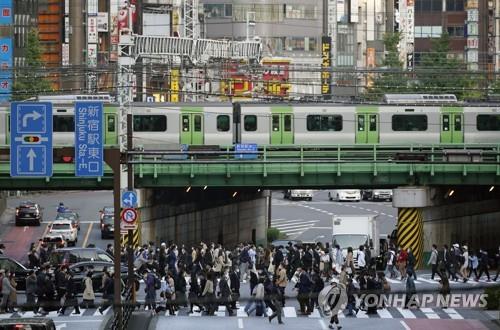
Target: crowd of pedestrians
(204, 277)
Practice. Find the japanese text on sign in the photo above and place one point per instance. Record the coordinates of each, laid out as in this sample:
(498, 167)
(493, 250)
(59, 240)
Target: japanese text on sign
(89, 139)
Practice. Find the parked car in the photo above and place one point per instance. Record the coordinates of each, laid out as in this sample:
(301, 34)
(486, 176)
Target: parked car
(81, 269)
(71, 216)
(66, 229)
(20, 271)
(107, 226)
(28, 213)
(69, 256)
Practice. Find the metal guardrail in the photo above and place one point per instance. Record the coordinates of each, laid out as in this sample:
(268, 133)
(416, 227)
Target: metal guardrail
(127, 308)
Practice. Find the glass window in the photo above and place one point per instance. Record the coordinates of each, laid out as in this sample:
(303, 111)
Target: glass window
(458, 123)
(197, 123)
(288, 123)
(428, 5)
(250, 123)
(454, 5)
(103, 257)
(373, 123)
(455, 31)
(276, 123)
(446, 123)
(263, 12)
(64, 123)
(301, 11)
(86, 255)
(150, 123)
(111, 123)
(223, 123)
(185, 123)
(361, 123)
(488, 122)
(324, 123)
(218, 10)
(409, 123)
(228, 9)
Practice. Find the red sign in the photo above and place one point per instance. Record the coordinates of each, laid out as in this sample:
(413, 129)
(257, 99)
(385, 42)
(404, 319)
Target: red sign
(129, 215)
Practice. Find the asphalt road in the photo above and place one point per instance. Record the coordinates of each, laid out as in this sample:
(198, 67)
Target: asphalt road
(312, 221)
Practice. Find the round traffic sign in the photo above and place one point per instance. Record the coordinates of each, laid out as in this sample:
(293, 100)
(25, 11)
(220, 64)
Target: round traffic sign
(129, 215)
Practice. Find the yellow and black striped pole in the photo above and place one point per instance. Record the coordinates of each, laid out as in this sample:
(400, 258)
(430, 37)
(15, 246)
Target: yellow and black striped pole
(136, 238)
(411, 232)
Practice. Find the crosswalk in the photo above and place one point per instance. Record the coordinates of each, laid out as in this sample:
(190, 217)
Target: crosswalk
(293, 228)
(289, 312)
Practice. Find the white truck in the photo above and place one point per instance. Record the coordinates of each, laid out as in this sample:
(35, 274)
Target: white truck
(293, 194)
(354, 231)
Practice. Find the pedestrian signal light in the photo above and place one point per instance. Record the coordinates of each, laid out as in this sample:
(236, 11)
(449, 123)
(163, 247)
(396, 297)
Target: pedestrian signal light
(31, 139)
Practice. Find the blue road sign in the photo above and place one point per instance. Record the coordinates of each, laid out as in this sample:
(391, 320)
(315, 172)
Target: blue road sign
(246, 151)
(129, 199)
(89, 139)
(31, 139)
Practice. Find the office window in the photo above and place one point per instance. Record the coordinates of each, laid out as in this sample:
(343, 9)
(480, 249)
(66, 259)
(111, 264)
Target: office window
(218, 10)
(455, 5)
(456, 31)
(409, 123)
(263, 12)
(428, 5)
(301, 11)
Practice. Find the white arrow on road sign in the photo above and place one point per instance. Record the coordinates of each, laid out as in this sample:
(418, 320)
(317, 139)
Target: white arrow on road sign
(31, 155)
(129, 199)
(34, 115)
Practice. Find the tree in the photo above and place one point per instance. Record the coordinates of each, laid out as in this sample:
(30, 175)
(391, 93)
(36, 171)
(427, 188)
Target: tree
(30, 79)
(441, 74)
(394, 79)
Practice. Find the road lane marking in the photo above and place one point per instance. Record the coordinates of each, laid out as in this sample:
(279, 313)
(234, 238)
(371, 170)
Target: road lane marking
(323, 324)
(403, 323)
(384, 313)
(240, 323)
(289, 312)
(294, 226)
(406, 313)
(85, 240)
(453, 314)
(429, 313)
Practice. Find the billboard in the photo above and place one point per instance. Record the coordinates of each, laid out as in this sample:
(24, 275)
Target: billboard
(5, 69)
(326, 65)
(92, 55)
(102, 22)
(92, 29)
(6, 12)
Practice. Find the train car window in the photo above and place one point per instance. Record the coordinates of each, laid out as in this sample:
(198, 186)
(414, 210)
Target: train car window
(250, 123)
(458, 123)
(409, 123)
(111, 123)
(150, 123)
(446, 123)
(288, 123)
(324, 123)
(361, 123)
(373, 123)
(223, 123)
(185, 123)
(63, 123)
(276, 123)
(197, 123)
(488, 122)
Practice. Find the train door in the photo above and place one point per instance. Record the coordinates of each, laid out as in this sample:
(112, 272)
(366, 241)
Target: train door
(191, 128)
(110, 129)
(367, 128)
(452, 130)
(282, 125)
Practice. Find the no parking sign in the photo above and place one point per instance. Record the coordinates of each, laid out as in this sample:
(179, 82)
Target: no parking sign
(129, 218)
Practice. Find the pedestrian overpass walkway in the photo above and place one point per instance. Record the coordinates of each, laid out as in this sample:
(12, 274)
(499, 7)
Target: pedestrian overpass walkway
(284, 166)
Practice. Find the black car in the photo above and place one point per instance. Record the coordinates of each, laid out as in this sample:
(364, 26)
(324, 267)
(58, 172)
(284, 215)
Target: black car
(27, 323)
(107, 226)
(28, 213)
(80, 270)
(19, 270)
(69, 256)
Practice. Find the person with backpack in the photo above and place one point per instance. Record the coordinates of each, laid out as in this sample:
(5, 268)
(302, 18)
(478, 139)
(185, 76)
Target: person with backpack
(304, 287)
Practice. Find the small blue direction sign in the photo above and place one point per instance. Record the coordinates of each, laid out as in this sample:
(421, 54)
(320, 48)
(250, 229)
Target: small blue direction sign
(129, 199)
(89, 152)
(31, 139)
(246, 151)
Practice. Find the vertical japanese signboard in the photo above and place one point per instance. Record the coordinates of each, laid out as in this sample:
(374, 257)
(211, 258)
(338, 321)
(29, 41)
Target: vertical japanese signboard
(89, 153)
(326, 65)
(6, 12)
(6, 19)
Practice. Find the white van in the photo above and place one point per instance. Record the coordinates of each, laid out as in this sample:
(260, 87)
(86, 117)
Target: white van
(294, 194)
(342, 195)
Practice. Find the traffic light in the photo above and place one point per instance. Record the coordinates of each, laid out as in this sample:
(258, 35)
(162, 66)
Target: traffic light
(31, 139)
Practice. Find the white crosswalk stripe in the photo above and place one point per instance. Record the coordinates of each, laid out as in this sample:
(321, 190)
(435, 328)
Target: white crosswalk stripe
(452, 313)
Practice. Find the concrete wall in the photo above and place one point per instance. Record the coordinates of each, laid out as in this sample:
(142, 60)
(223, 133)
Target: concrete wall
(476, 224)
(3, 202)
(209, 216)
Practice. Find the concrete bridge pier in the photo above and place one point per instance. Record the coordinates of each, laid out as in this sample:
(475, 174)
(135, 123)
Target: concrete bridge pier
(467, 215)
(194, 214)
